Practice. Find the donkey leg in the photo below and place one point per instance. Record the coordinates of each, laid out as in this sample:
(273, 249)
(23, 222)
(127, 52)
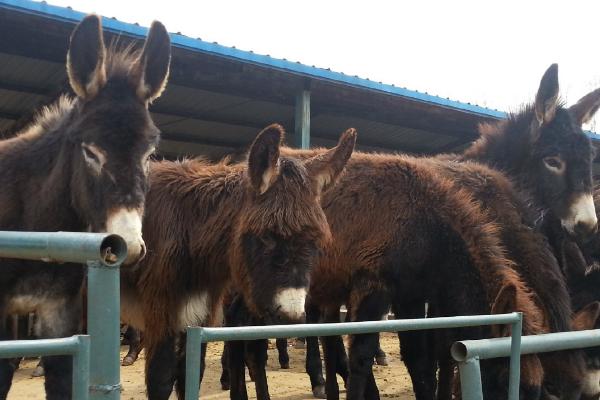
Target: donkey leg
(282, 349)
(257, 351)
(7, 368)
(314, 368)
(161, 366)
(416, 350)
(237, 371)
(133, 337)
(446, 378)
(380, 356)
(361, 383)
(225, 367)
(59, 318)
(330, 355)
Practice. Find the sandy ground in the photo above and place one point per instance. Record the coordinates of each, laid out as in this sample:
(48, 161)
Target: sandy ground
(291, 384)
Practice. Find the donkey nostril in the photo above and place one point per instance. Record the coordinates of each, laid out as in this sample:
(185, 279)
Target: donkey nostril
(583, 229)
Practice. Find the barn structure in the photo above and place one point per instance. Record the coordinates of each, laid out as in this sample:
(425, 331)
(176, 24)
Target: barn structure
(219, 97)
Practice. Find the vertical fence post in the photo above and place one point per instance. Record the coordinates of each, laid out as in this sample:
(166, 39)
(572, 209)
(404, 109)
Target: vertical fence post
(193, 356)
(470, 379)
(103, 327)
(515, 359)
(302, 120)
(81, 369)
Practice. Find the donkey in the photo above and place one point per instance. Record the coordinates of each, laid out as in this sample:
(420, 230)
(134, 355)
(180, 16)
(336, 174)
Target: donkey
(390, 246)
(535, 262)
(256, 228)
(543, 148)
(81, 166)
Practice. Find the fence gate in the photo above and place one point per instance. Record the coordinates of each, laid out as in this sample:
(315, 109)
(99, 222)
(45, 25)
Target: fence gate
(95, 362)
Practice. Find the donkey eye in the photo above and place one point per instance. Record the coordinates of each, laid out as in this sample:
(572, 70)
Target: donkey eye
(89, 155)
(93, 156)
(554, 164)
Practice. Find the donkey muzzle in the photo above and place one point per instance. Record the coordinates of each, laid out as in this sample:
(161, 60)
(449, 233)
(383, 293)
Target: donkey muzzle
(127, 223)
(581, 220)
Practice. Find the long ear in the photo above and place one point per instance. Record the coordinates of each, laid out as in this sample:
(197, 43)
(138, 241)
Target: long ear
(150, 72)
(546, 100)
(326, 167)
(586, 318)
(85, 59)
(263, 158)
(586, 107)
(505, 302)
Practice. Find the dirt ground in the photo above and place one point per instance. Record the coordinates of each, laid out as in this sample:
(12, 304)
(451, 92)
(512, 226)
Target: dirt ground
(290, 384)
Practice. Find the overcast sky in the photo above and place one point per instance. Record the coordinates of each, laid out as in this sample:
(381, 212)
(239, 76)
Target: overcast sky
(489, 53)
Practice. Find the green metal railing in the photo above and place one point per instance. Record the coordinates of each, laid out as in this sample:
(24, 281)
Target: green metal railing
(95, 363)
(197, 335)
(469, 352)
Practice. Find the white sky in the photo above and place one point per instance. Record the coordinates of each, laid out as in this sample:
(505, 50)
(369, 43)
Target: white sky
(489, 53)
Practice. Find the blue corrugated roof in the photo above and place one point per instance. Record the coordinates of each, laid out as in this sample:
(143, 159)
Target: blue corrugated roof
(178, 40)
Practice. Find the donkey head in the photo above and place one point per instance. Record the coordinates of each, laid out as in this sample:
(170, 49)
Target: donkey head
(111, 133)
(282, 226)
(562, 155)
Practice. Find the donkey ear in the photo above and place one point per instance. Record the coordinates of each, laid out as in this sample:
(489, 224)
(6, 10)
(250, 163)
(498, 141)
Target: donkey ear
(546, 100)
(505, 302)
(586, 318)
(326, 167)
(85, 59)
(150, 72)
(586, 107)
(263, 166)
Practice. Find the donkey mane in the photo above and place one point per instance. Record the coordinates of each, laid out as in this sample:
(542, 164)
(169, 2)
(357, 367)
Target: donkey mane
(212, 183)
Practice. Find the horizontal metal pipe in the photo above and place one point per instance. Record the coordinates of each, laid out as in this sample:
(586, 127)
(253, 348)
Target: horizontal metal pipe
(75, 247)
(39, 347)
(500, 347)
(303, 330)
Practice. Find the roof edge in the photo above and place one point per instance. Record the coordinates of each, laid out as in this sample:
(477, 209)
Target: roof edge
(69, 15)
(134, 30)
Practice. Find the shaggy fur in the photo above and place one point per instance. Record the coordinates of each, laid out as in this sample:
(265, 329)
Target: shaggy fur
(255, 227)
(409, 249)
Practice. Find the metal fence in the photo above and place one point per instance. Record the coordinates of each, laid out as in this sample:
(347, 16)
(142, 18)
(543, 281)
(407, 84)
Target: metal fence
(95, 363)
(197, 335)
(469, 352)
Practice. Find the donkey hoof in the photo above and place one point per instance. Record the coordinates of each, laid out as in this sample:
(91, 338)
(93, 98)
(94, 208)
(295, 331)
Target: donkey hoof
(38, 371)
(319, 392)
(285, 365)
(381, 360)
(127, 361)
(224, 385)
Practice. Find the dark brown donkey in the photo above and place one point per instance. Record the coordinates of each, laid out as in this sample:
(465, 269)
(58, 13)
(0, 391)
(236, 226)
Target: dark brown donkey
(406, 228)
(535, 261)
(544, 150)
(80, 167)
(256, 227)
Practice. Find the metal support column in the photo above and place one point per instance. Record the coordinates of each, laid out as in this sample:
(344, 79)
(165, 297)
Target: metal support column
(470, 379)
(515, 359)
(301, 138)
(193, 356)
(81, 369)
(103, 327)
